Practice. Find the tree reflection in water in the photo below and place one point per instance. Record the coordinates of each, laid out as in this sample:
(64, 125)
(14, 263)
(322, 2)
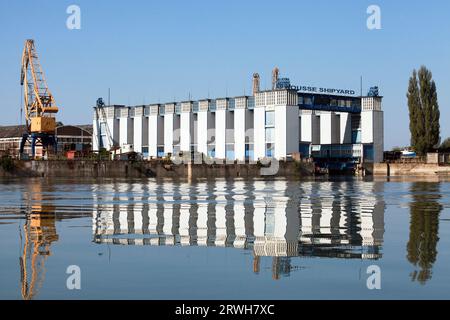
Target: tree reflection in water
(423, 230)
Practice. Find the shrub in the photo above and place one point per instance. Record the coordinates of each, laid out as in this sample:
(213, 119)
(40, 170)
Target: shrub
(7, 163)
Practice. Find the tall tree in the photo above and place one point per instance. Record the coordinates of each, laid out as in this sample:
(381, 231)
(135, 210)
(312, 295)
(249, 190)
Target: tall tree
(415, 112)
(423, 111)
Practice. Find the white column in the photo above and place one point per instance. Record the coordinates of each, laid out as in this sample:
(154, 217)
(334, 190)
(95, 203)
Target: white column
(280, 132)
(95, 135)
(123, 131)
(345, 128)
(220, 133)
(306, 128)
(325, 128)
(202, 143)
(153, 135)
(168, 133)
(138, 134)
(239, 134)
(259, 133)
(186, 120)
(113, 131)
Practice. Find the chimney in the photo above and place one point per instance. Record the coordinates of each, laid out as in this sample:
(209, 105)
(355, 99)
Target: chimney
(275, 73)
(255, 83)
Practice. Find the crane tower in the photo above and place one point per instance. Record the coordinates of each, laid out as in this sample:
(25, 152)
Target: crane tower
(39, 104)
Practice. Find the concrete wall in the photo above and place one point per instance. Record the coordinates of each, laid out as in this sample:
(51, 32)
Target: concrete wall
(280, 132)
(292, 130)
(155, 168)
(378, 136)
(410, 169)
(315, 129)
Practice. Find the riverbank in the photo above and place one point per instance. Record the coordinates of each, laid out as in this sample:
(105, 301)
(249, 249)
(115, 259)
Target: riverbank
(154, 168)
(410, 169)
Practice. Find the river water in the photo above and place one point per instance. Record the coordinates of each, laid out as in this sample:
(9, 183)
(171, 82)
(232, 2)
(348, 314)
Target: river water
(344, 238)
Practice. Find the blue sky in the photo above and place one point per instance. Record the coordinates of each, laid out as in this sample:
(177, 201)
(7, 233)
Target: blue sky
(158, 51)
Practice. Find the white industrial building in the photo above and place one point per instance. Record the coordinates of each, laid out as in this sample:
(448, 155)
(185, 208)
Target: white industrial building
(316, 122)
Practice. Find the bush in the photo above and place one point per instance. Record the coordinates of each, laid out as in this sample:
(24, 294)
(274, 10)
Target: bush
(445, 146)
(7, 163)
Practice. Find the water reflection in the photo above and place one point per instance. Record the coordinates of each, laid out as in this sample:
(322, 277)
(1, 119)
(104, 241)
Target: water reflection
(39, 232)
(42, 204)
(424, 228)
(278, 219)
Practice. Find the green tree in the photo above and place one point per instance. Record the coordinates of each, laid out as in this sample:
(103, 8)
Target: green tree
(445, 145)
(423, 111)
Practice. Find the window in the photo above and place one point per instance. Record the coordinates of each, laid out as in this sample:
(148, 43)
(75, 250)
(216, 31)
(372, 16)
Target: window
(270, 118)
(270, 134)
(229, 152)
(368, 153)
(160, 152)
(270, 150)
(249, 152)
(251, 103)
(356, 136)
(102, 128)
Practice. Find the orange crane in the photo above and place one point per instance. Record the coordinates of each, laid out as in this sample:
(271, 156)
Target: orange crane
(39, 105)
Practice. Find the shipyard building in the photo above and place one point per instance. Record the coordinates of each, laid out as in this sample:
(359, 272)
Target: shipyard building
(327, 125)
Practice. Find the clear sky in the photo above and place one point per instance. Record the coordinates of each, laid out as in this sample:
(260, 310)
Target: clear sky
(158, 51)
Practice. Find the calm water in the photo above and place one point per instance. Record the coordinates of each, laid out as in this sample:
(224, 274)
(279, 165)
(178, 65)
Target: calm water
(224, 239)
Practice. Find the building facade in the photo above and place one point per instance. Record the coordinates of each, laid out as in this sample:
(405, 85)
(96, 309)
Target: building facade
(69, 138)
(274, 123)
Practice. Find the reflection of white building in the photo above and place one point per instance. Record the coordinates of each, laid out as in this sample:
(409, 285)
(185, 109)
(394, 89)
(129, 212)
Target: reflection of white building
(272, 218)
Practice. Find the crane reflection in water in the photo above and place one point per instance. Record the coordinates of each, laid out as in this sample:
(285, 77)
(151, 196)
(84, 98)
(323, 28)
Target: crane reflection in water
(39, 232)
(274, 219)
